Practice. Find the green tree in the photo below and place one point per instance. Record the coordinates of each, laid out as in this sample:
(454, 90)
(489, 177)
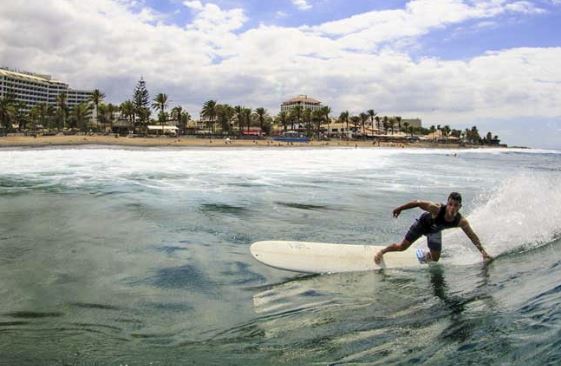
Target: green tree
(62, 108)
(363, 119)
(111, 109)
(283, 119)
(325, 112)
(209, 112)
(97, 98)
(398, 119)
(141, 101)
(344, 118)
(7, 111)
(261, 114)
(160, 103)
(225, 114)
(296, 115)
(406, 125)
(386, 124)
(247, 117)
(355, 120)
(307, 119)
(180, 117)
(176, 114)
(317, 118)
(128, 111)
(102, 118)
(238, 110)
(372, 114)
(43, 113)
(22, 115)
(80, 116)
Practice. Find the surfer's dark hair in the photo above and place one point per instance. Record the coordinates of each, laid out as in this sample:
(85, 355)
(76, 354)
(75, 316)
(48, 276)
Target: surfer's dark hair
(455, 196)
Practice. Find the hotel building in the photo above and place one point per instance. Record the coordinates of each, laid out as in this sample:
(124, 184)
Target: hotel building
(301, 100)
(33, 89)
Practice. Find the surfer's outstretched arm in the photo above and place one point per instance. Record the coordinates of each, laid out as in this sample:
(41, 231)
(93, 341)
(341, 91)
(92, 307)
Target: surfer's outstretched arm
(464, 224)
(423, 205)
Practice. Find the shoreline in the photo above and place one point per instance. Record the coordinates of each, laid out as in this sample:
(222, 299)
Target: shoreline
(183, 141)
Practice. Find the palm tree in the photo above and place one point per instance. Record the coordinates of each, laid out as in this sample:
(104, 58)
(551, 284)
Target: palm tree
(406, 124)
(79, 113)
(111, 109)
(209, 112)
(102, 115)
(283, 119)
(385, 124)
(43, 112)
(247, 116)
(261, 112)
(7, 111)
(363, 119)
(326, 111)
(176, 113)
(238, 110)
(344, 117)
(62, 107)
(96, 98)
(372, 114)
(296, 114)
(307, 119)
(446, 130)
(377, 118)
(160, 103)
(318, 117)
(355, 120)
(225, 114)
(128, 111)
(398, 119)
(21, 115)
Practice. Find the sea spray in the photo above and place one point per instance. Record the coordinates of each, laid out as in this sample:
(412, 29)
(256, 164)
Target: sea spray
(521, 214)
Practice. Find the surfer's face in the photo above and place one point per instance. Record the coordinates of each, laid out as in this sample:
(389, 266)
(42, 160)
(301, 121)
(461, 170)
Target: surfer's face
(452, 207)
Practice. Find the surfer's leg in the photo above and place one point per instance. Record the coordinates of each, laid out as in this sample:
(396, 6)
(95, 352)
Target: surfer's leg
(435, 246)
(395, 247)
(414, 233)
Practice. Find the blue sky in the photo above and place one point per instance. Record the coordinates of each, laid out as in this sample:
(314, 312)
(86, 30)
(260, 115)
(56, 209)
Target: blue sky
(490, 63)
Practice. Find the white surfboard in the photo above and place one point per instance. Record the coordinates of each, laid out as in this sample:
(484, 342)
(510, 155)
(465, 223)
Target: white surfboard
(308, 257)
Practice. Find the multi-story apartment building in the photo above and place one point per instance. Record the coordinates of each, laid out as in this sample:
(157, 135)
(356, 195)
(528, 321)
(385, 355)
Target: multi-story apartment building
(301, 100)
(33, 89)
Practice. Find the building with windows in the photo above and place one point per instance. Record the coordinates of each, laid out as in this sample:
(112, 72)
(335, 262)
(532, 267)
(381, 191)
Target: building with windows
(301, 100)
(412, 122)
(33, 89)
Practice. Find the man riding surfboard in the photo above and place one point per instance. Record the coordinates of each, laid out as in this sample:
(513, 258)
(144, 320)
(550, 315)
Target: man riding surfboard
(437, 217)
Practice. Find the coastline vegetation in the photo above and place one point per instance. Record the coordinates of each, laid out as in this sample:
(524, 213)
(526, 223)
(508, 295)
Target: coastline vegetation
(134, 116)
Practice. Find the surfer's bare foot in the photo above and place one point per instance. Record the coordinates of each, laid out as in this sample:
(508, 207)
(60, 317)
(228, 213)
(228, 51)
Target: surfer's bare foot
(378, 257)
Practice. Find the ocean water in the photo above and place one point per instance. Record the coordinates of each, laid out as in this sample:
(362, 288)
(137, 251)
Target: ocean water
(115, 256)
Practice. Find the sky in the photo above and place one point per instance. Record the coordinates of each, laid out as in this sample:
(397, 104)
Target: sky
(493, 64)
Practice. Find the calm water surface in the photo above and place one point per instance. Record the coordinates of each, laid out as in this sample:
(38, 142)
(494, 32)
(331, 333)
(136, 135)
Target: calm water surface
(140, 257)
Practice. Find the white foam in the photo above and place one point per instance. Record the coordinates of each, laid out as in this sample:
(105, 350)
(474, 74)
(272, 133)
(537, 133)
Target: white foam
(521, 214)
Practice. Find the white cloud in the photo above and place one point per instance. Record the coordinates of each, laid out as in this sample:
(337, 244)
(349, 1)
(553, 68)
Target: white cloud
(347, 64)
(366, 31)
(196, 5)
(524, 7)
(302, 4)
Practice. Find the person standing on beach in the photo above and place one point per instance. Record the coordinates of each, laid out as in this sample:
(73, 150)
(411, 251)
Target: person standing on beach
(437, 217)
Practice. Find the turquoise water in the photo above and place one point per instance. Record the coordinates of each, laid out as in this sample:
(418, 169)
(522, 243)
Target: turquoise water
(140, 257)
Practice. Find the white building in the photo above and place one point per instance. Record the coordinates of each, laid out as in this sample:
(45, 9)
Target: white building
(301, 100)
(33, 89)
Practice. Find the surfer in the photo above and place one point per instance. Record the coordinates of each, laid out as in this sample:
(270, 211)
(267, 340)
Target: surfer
(437, 217)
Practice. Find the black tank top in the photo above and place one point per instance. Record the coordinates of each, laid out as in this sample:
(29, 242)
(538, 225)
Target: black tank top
(439, 223)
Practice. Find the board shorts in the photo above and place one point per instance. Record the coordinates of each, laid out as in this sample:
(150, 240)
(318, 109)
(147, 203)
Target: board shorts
(417, 230)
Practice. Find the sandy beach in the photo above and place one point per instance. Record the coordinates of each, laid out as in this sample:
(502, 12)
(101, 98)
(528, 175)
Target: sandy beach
(188, 141)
